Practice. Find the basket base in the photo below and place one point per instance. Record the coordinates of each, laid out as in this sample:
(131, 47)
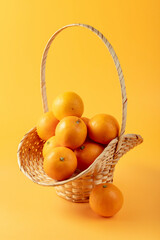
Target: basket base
(78, 191)
(71, 199)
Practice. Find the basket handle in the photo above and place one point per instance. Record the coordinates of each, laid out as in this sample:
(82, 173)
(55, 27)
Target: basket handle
(117, 65)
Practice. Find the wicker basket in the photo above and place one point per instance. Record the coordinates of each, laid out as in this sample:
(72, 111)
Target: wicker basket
(78, 187)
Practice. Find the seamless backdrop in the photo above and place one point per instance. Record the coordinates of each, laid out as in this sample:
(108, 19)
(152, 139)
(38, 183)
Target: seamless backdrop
(78, 61)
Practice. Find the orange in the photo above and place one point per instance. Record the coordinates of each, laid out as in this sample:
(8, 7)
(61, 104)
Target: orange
(67, 104)
(46, 125)
(106, 199)
(71, 132)
(85, 120)
(102, 128)
(60, 163)
(49, 145)
(87, 153)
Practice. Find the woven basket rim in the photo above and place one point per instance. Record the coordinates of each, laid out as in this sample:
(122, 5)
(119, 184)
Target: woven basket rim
(79, 175)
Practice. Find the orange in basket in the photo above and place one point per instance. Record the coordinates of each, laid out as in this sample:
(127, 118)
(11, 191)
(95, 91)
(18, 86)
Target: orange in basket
(78, 187)
(67, 104)
(60, 164)
(103, 128)
(87, 153)
(71, 132)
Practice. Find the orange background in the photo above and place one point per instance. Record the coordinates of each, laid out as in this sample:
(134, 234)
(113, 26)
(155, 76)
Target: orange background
(78, 61)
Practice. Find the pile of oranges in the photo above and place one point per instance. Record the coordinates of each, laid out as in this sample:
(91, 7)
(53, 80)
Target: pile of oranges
(73, 142)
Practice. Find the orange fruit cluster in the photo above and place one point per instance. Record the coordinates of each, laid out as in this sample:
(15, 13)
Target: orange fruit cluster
(73, 141)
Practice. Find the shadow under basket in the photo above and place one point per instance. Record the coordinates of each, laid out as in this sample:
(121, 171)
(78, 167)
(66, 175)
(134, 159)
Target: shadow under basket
(78, 187)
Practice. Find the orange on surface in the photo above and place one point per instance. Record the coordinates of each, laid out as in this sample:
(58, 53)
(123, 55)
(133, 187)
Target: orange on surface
(106, 199)
(46, 125)
(87, 153)
(49, 145)
(71, 132)
(67, 104)
(102, 128)
(60, 163)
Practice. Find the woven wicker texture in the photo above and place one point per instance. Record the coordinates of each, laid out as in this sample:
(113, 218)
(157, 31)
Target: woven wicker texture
(77, 188)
